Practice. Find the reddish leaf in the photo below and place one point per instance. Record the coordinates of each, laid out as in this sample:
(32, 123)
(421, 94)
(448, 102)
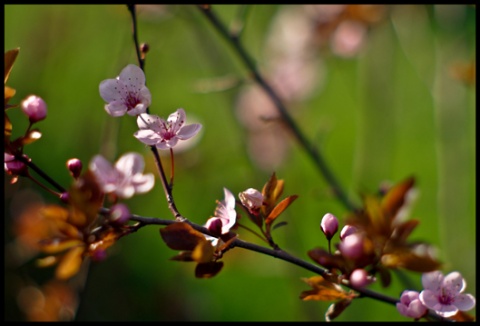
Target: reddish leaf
(208, 270)
(271, 192)
(181, 236)
(70, 263)
(335, 309)
(10, 57)
(203, 252)
(406, 258)
(325, 259)
(403, 230)
(31, 137)
(279, 209)
(323, 290)
(86, 198)
(395, 197)
(183, 256)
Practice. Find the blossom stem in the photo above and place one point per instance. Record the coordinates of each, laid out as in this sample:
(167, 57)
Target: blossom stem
(312, 152)
(131, 9)
(40, 172)
(172, 167)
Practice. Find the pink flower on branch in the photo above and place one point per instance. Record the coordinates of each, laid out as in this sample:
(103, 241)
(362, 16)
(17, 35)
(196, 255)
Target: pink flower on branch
(443, 294)
(125, 178)
(410, 305)
(155, 131)
(127, 93)
(224, 213)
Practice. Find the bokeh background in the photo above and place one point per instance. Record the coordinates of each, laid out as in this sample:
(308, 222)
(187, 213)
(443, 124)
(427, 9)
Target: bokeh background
(384, 92)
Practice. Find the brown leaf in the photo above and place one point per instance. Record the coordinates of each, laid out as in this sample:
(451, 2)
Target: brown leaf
(406, 258)
(279, 209)
(395, 197)
(271, 192)
(70, 263)
(462, 316)
(335, 309)
(403, 230)
(52, 246)
(208, 270)
(323, 290)
(86, 198)
(378, 220)
(183, 256)
(203, 252)
(10, 57)
(181, 236)
(32, 136)
(325, 259)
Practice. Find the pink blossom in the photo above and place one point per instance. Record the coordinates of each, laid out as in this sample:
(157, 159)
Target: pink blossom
(127, 93)
(35, 108)
(329, 225)
(352, 246)
(443, 294)
(347, 230)
(360, 278)
(225, 212)
(251, 198)
(125, 178)
(410, 305)
(165, 134)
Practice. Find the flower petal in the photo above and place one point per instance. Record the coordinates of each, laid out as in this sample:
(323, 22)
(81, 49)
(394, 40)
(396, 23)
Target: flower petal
(112, 90)
(454, 283)
(143, 183)
(151, 121)
(138, 109)
(116, 108)
(130, 163)
(189, 131)
(176, 120)
(464, 302)
(432, 281)
(133, 77)
(147, 137)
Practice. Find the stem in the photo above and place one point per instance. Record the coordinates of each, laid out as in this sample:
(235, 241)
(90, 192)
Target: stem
(172, 172)
(40, 172)
(166, 186)
(276, 253)
(315, 155)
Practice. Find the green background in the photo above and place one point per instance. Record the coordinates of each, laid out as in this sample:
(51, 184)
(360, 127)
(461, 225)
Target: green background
(390, 112)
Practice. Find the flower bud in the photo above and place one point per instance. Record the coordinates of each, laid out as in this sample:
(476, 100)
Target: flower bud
(119, 213)
(251, 198)
(74, 165)
(65, 197)
(410, 305)
(347, 230)
(214, 225)
(352, 246)
(13, 166)
(360, 278)
(35, 108)
(329, 225)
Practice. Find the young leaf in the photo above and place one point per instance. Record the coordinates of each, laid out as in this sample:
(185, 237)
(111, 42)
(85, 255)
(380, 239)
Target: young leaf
(279, 209)
(10, 57)
(336, 309)
(208, 270)
(181, 236)
(323, 290)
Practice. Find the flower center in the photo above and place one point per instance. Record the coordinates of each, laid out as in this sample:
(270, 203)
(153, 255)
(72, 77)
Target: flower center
(131, 101)
(445, 299)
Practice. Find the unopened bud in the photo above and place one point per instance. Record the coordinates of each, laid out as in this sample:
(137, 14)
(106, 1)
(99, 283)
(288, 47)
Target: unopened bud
(35, 108)
(64, 197)
(214, 225)
(251, 198)
(74, 165)
(352, 246)
(329, 225)
(360, 278)
(347, 230)
(119, 213)
(13, 166)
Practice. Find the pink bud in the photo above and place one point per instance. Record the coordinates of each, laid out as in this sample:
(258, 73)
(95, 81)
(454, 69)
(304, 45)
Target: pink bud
(64, 197)
(347, 230)
(35, 108)
(74, 165)
(119, 213)
(251, 198)
(214, 225)
(99, 254)
(360, 278)
(410, 305)
(13, 166)
(352, 246)
(329, 225)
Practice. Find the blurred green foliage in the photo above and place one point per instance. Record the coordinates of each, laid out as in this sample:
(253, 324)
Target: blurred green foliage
(392, 111)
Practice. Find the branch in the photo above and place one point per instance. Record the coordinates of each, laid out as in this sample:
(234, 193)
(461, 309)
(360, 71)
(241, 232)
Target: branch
(315, 155)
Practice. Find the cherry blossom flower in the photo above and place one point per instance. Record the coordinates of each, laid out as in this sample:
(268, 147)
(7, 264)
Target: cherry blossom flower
(225, 213)
(125, 178)
(252, 199)
(155, 131)
(443, 294)
(410, 305)
(127, 93)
